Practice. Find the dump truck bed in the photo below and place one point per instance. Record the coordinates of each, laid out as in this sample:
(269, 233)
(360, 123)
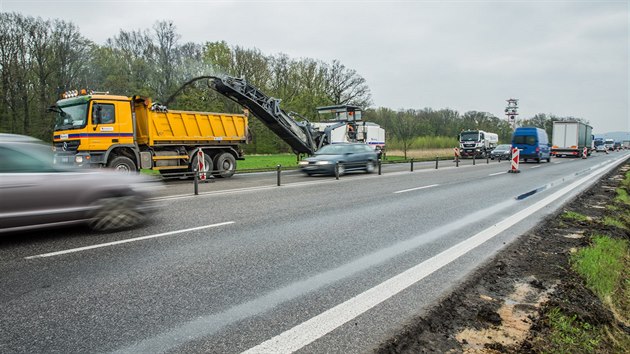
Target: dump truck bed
(189, 128)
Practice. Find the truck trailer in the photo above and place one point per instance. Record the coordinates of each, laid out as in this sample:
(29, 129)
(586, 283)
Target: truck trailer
(570, 138)
(129, 133)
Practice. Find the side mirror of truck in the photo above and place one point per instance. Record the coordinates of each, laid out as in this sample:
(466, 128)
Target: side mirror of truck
(97, 114)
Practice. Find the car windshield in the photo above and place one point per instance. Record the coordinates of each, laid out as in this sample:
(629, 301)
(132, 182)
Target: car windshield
(525, 139)
(503, 147)
(472, 136)
(73, 116)
(334, 149)
(599, 142)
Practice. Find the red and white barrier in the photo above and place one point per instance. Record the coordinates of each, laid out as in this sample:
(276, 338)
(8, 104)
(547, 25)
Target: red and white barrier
(201, 165)
(515, 157)
(456, 151)
(584, 153)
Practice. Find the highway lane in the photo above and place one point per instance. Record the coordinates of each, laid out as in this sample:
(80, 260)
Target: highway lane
(262, 261)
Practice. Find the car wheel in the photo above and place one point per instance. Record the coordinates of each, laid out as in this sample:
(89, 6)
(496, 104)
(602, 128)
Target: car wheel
(341, 169)
(225, 164)
(370, 167)
(122, 164)
(114, 213)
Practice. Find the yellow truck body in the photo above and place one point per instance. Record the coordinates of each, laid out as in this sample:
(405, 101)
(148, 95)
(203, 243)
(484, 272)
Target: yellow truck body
(130, 133)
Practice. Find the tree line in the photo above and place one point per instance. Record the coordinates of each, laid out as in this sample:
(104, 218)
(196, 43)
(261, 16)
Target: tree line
(40, 59)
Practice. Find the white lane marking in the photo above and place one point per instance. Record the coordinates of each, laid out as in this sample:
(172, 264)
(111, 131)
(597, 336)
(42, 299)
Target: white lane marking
(497, 173)
(417, 188)
(324, 323)
(537, 166)
(79, 249)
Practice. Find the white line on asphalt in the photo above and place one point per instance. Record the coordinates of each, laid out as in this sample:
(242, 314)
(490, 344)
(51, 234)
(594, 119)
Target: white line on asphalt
(72, 250)
(497, 173)
(417, 188)
(537, 166)
(324, 323)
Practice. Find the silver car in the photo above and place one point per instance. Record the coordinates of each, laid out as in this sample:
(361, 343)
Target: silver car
(36, 193)
(340, 157)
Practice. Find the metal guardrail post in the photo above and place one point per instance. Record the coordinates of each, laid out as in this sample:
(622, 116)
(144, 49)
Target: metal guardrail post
(196, 181)
(379, 167)
(473, 160)
(279, 169)
(412, 165)
(487, 159)
(337, 170)
(456, 161)
(437, 158)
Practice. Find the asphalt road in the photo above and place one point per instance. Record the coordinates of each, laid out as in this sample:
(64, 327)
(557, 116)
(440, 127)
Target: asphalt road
(313, 265)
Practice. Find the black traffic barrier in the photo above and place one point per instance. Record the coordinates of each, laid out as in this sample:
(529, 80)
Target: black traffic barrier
(456, 161)
(412, 165)
(379, 166)
(279, 168)
(337, 170)
(474, 160)
(437, 158)
(196, 181)
(487, 159)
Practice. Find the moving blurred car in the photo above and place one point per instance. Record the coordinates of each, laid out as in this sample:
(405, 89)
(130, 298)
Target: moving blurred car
(349, 156)
(36, 193)
(503, 152)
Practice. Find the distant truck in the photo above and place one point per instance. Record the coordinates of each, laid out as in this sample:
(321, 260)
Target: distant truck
(570, 138)
(130, 133)
(598, 143)
(609, 144)
(477, 143)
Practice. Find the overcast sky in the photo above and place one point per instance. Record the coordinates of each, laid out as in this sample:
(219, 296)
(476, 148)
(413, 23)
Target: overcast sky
(568, 58)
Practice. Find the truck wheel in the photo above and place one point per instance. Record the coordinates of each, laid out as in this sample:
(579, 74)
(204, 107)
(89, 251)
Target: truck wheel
(226, 165)
(207, 164)
(114, 213)
(122, 164)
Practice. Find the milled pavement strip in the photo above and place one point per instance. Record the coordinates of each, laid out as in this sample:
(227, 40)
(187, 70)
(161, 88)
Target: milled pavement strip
(79, 249)
(324, 323)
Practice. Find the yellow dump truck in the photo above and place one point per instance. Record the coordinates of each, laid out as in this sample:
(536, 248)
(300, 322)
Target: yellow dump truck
(130, 133)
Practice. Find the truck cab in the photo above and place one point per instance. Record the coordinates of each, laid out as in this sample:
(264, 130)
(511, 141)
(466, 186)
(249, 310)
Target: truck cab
(477, 143)
(87, 125)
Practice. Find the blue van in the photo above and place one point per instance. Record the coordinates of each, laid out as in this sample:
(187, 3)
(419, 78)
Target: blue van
(533, 143)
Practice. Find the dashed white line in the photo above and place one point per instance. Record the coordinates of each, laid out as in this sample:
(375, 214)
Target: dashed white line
(537, 166)
(497, 173)
(417, 188)
(101, 245)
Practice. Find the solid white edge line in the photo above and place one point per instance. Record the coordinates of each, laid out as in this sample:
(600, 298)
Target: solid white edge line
(417, 188)
(79, 249)
(324, 323)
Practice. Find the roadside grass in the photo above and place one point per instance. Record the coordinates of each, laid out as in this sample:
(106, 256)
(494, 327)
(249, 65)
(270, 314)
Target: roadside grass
(610, 221)
(601, 265)
(570, 335)
(571, 215)
(605, 267)
(266, 162)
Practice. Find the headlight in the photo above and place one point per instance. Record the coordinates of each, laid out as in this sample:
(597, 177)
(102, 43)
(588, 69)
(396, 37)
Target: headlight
(323, 162)
(302, 163)
(78, 159)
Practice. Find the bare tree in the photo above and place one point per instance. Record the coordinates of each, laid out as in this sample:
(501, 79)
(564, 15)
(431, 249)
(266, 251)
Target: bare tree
(345, 86)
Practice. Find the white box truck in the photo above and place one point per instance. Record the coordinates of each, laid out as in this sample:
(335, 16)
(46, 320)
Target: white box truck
(570, 138)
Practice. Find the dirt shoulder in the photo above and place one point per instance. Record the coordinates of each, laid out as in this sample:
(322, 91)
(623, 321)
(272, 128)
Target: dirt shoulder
(502, 307)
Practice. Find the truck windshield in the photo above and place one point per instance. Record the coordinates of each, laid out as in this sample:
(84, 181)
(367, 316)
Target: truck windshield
(599, 142)
(71, 116)
(472, 136)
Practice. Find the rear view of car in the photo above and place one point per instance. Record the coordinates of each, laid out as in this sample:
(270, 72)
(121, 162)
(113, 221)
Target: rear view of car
(532, 143)
(36, 193)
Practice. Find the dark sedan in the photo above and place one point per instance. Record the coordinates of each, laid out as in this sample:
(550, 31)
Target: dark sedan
(502, 152)
(347, 156)
(36, 193)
